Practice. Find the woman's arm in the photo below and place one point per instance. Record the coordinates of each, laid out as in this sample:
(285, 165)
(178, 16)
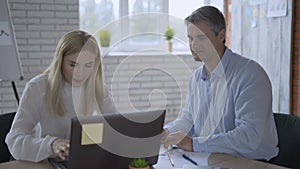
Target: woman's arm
(21, 140)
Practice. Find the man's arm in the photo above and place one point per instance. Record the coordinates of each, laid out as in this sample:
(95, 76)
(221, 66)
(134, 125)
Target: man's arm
(185, 122)
(253, 108)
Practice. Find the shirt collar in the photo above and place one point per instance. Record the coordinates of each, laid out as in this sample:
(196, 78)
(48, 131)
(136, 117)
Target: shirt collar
(67, 87)
(219, 70)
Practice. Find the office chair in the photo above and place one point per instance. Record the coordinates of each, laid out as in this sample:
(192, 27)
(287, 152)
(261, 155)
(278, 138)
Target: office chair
(5, 124)
(288, 129)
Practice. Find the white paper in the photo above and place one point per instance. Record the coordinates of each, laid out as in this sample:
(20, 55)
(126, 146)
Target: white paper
(277, 8)
(196, 167)
(180, 162)
(257, 2)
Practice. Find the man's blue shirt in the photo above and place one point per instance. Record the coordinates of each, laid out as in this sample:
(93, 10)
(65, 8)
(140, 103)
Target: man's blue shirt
(230, 110)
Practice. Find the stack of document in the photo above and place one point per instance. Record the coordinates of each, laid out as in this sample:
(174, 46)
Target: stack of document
(179, 159)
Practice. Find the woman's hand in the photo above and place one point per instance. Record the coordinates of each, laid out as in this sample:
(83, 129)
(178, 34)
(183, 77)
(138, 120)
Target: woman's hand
(61, 147)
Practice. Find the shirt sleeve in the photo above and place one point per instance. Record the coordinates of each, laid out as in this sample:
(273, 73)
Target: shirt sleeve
(108, 105)
(253, 108)
(184, 122)
(21, 141)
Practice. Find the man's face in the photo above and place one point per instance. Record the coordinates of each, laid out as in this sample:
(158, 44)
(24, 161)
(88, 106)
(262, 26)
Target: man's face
(203, 41)
(77, 68)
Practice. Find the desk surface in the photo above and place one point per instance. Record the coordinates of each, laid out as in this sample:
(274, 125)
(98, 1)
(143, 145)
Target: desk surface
(215, 160)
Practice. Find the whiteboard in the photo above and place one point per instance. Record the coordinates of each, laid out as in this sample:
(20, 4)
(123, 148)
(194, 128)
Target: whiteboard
(10, 68)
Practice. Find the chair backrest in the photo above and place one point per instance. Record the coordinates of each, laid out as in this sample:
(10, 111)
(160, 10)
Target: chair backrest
(5, 124)
(288, 129)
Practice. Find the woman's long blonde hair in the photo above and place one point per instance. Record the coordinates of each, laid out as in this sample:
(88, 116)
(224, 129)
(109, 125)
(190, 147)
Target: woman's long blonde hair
(92, 90)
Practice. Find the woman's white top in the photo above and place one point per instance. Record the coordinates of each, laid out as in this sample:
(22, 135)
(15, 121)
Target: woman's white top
(34, 128)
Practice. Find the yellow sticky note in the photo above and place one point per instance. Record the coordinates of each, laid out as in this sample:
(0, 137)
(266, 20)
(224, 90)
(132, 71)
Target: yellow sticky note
(91, 133)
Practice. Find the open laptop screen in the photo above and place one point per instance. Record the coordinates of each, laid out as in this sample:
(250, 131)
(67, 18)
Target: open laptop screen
(113, 140)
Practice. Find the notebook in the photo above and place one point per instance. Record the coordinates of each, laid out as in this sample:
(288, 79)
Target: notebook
(113, 140)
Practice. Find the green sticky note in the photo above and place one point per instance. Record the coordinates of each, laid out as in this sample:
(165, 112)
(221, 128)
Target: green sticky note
(92, 133)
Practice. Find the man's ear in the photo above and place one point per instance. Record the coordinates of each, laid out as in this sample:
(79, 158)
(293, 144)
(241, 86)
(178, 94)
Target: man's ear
(222, 35)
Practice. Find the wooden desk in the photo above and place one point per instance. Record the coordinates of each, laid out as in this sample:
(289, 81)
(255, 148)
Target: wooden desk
(25, 165)
(215, 160)
(229, 161)
(224, 161)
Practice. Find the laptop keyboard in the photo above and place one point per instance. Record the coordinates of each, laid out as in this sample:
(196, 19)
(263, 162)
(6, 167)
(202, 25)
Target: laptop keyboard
(58, 164)
(64, 165)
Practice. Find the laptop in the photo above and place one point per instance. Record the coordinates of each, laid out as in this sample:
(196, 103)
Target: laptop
(113, 140)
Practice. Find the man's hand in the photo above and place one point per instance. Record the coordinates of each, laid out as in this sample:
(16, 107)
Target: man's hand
(181, 139)
(61, 147)
(164, 136)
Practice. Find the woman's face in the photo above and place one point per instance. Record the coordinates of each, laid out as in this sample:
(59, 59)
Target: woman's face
(77, 68)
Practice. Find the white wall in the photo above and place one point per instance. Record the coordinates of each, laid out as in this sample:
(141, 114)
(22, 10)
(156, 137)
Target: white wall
(149, 81)
(266, 40)
(38, 25)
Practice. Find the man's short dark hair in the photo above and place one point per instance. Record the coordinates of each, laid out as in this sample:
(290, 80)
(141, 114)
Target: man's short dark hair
(209, 14)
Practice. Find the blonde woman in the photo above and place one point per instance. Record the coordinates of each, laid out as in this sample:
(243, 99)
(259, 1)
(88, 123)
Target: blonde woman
(72, 85)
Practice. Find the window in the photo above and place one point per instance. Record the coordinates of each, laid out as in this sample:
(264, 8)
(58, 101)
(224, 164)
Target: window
(94, 14)
(143, 23)
(138, 24)
(176, 9)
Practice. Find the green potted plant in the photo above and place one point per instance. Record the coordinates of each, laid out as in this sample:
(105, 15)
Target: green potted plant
(104, 37)
(169, 34)
(139, 163)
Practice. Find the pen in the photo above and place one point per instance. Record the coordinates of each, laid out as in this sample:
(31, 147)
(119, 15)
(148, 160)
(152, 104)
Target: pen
(170, 159)
(189, 159)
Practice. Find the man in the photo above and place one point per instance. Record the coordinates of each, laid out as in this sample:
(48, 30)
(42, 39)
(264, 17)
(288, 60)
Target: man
(229, 102)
